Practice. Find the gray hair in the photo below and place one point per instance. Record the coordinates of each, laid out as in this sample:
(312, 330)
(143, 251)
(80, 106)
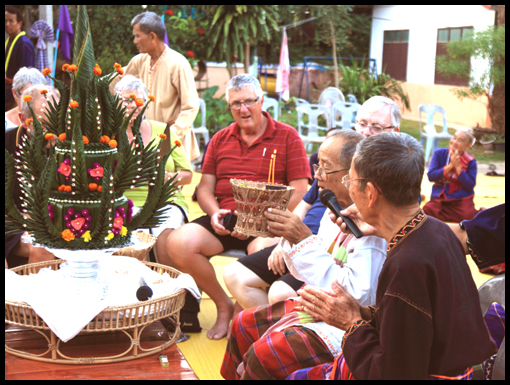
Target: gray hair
(395, 163)
(240, 81)
(131, 83)
(351, 139)
(35, 92)
(375, 103)
(26, 76)
(150, 22)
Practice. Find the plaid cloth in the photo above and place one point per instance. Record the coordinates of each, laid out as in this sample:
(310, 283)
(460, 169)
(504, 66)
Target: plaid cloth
(275, 356)
(495, 321)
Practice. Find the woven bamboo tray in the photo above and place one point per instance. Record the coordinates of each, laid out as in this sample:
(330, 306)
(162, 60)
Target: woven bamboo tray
(252, 199)
(110, 319)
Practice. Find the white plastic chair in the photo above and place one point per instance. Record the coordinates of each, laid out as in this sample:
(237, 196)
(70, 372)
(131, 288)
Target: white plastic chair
(351, 98)
(429, 131)
(202, 130)
(313, 111)
(329, 97)
(301, 102)
(344, 114)
(271, 103)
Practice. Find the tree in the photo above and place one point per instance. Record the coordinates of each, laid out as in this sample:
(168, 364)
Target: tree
(235, 27)
(488, 45)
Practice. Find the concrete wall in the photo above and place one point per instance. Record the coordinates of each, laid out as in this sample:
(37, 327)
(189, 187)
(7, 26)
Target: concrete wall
(423, 21)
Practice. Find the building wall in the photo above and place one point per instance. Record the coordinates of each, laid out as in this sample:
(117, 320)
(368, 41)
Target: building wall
(423, 21)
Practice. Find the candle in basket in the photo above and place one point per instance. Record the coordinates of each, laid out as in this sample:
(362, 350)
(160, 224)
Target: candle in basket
(274, 164)
(270, 169)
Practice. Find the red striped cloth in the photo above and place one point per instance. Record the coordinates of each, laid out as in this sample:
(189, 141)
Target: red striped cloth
(228, 156)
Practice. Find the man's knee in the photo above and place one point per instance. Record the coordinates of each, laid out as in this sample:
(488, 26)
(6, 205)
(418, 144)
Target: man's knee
(237, 277)
(280, 291)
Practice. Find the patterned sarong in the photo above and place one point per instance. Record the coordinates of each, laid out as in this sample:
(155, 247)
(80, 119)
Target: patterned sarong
(274, 356)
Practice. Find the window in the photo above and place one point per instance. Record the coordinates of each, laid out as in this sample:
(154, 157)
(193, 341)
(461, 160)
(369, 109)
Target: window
(395, 48)
(444, 36)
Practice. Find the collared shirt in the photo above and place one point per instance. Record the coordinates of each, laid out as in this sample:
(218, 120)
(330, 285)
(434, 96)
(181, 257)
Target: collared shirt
(229, 156)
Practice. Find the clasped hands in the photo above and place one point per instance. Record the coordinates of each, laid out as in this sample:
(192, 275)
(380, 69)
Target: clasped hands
(336, 307)
(454, 164)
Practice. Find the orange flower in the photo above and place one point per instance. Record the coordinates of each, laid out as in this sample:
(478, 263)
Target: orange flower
(178, 143)
(139, 102)
(73, 104)
(104, 139)
(27, 98)
(190, 54)
(68, 189)
(152, 98)
(72, 68)
(162, 136)
(97, 70)
(65, 67)
(67, 235)
(113, 143)
(49, 136)
(92, 187)
(62, 137)
(43, 92)
(29, 122)
(99, 188)
(85, 140)
(61, 187)
(120, 71)
(116, 65)
(46, 71)
(132, 96)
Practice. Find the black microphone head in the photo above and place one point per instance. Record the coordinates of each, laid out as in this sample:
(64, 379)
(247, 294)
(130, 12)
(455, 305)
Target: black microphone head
(325, 195)
(144, 293)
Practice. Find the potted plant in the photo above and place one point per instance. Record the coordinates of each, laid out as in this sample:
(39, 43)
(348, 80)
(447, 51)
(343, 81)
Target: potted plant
(499, 144)
(487, 142)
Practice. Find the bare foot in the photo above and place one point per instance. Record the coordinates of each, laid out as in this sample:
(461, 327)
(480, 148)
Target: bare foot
(222, 325)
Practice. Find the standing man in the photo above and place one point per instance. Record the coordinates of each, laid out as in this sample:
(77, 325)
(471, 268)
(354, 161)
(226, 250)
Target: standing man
(19, 51)
(168, 76)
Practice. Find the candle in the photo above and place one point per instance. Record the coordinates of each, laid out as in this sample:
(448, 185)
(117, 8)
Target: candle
(274, 163)
(270, 169)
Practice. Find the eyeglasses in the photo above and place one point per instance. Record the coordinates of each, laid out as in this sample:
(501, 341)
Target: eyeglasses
(129, 100)
(377, 129)
(322, 173)
(347, 183)
(248, 103)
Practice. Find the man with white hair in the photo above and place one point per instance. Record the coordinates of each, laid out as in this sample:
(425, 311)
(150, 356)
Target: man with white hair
(243, 151)
(23, 79)
(377, 115)
(168, 76)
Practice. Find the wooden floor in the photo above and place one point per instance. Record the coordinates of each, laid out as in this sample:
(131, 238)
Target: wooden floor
(94, 345)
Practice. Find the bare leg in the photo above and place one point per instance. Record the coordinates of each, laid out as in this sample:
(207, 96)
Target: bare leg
(187, 248)
(260, 243)
(280, 291)
(246, 286)
(161, 247)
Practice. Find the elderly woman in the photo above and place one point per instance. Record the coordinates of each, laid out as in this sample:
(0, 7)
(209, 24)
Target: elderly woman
(23, 79)
(453, 172)
(178, 162)
(426, 321)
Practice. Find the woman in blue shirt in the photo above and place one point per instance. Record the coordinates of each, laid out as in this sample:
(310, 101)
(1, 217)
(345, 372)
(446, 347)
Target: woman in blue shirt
(453, 172)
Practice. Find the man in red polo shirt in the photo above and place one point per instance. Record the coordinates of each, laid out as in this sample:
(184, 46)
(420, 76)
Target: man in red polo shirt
(243, 151)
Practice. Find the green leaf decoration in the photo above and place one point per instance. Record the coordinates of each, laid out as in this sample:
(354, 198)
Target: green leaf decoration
(78, 166)
(38, 143)
(13, 218)
(83, 53)
(61, 107)
(105, 218)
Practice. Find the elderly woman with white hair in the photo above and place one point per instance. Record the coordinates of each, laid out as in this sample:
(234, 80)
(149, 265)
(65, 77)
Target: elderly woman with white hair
(23, 79)
(178, 163)
(453, 172)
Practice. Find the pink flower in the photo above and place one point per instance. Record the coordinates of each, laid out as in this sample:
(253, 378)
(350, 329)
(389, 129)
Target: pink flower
(64, 169)
(78, 223)
(96, 172)
(118, 222)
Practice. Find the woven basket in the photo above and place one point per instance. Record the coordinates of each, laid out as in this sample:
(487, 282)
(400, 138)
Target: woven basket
(111, 319)
(141, 248)
(252, 199)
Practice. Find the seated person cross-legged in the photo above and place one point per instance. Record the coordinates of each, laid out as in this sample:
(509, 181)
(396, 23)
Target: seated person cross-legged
(248, 277)
(242, 150)
(271, 342)
(426, 321)
(453, 172)
(131, 89)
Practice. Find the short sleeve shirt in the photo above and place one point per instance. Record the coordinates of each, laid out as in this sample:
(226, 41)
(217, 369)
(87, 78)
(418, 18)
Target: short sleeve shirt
(229, 156)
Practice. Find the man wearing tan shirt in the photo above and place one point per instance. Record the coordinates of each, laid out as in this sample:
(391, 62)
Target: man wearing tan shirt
(168, 76)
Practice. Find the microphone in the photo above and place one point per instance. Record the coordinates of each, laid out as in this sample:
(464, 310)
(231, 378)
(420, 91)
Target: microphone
(144, 292)
(328, 199)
